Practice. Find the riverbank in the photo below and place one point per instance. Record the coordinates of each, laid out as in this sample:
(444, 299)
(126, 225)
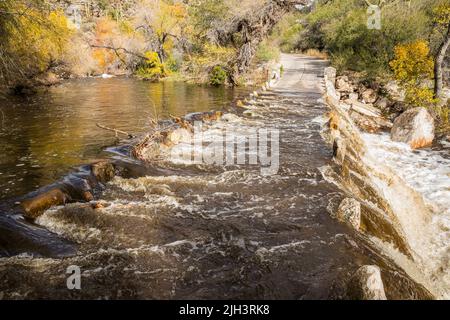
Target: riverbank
(184, 230)
(46, 135)
(403, 194)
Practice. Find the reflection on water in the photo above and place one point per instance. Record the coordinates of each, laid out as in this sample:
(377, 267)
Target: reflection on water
(43, 136)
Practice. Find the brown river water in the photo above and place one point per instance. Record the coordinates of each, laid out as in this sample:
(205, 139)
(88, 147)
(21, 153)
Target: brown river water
(180, 231)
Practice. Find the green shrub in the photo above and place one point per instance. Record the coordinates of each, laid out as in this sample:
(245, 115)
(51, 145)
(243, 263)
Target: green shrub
(218, 76)
(267, 52)
(340, 28)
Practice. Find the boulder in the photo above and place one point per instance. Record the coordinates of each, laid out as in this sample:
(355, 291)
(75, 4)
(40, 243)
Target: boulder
(415, 127)
(369, 96)
(349, 211)
(330, 74)
(344, 85)
(371, 124)
(365, 109)
(394, 91)
(366, 284)
(353, 96)
(382, 104)
(104, 171)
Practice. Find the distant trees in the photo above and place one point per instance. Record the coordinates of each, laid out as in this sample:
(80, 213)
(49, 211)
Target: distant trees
(340, 28)
(162, 21)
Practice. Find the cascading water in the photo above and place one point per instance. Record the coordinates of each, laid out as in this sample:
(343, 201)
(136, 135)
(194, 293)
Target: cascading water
(226, 232)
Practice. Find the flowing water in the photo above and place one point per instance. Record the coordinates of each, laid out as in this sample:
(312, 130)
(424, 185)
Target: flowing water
(428, 172)
(42, 137)
(180, 230)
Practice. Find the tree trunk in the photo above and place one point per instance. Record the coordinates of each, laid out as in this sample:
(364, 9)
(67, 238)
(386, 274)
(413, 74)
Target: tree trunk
(438, 66)
(256, 27)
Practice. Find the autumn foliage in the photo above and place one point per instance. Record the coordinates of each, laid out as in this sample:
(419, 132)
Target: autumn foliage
(413, 68)
(33, 39)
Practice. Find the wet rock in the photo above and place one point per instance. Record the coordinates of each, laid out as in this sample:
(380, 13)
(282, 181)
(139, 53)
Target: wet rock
(367, 284)
(20, 236)
(79, 188)
(369, 96)
(415, 127)
(34, 207)
(339, 149)
(177, 136)
(204, 116)
(370, 124)
(249, 114)
(162, 190)
(240, 104)
(229, 117)
(97, 205)
(103, 171)
(349, 211)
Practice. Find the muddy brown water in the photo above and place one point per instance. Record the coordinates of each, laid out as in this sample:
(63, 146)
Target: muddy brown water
(173, 231)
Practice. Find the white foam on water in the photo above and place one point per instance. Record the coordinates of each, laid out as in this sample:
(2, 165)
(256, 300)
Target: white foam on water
(283, 248)
(231, 130)
(427, 172)
(49, 219)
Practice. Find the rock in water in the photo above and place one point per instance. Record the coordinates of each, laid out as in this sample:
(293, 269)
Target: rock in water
(415, 127)
(103, 170)
(349, 211)
(366, 284)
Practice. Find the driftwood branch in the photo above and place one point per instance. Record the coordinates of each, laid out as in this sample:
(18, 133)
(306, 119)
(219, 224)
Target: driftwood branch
(116, 131)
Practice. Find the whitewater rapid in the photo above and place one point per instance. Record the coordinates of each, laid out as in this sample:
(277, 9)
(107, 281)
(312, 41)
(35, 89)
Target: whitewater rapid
(427, 172)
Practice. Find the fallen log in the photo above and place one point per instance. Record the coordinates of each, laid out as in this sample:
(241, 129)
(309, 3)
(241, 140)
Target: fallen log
(78, 186)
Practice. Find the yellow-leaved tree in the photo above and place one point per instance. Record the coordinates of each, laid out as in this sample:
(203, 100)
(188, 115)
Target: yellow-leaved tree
(413, 68)
(162, 21)
(33, 40)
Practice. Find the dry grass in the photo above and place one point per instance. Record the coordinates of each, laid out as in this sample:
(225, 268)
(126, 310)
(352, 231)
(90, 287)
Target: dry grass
(316, 53)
